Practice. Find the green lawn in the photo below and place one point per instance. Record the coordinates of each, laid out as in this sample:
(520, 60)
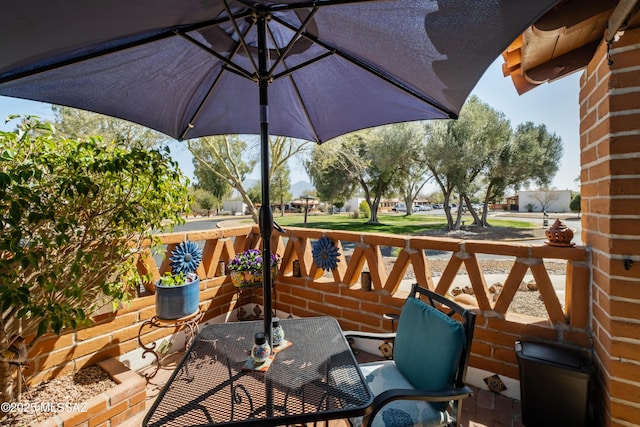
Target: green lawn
(389, 223)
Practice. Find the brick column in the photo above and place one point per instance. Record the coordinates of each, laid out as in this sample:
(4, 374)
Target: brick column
(610, 190)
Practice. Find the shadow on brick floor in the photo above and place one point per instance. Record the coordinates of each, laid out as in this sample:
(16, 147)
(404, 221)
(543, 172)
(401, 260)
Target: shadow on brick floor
(483, 409)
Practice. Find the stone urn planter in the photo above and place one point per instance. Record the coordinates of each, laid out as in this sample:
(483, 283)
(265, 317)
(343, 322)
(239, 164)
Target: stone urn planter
(559, 234)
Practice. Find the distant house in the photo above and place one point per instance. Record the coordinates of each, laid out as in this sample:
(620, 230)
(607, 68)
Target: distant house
(235, 207)
(549, 201)
(299, 205)
(512, 203)
(352, 204)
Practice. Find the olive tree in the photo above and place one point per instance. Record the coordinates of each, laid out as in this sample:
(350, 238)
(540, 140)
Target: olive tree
(74, 215)
(232, 158)
(79, 124)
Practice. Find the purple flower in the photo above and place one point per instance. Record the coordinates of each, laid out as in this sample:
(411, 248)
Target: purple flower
(250, 261)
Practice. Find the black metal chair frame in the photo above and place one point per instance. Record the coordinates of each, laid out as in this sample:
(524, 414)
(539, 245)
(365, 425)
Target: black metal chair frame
(460, 390)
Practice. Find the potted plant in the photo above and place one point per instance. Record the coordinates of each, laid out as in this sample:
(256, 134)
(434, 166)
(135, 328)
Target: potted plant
(178, 292)
(246, 268)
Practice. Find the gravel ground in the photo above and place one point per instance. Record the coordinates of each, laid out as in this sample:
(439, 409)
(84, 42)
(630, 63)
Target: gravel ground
(68, 389)
(525, 301)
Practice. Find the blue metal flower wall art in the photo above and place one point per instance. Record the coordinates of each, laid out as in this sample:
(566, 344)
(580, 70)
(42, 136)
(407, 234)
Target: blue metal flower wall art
(185, 258)
(325, 254)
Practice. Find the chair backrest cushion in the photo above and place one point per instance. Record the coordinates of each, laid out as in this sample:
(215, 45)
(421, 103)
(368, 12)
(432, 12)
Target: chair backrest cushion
(428, 346)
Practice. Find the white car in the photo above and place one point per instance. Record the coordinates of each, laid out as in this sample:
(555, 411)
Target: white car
(422, 208)
(399, 207)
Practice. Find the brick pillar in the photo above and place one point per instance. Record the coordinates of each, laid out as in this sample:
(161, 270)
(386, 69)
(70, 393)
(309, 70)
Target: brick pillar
(610, 190)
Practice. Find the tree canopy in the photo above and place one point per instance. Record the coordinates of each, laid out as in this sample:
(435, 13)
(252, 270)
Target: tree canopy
(79, 124)
(480, 152)
(232, 158)
(373, 160)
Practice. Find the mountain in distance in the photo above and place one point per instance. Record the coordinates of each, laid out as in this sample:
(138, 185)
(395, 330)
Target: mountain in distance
(300, 188)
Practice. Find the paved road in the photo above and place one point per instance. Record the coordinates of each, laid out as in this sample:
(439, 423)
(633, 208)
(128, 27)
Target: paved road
(198, 224)
(572, 221)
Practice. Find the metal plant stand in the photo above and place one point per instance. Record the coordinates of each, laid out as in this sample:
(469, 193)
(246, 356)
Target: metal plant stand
(190, 324)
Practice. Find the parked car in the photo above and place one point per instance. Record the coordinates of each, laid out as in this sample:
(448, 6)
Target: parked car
(399, 207)
(422, 208)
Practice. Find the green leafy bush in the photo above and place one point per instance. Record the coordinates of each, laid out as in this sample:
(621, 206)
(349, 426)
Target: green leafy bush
(74, 216)
(364, 208)
(575, 203)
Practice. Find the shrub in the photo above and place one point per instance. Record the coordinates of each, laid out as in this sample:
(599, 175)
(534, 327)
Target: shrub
(364, 208)
(75, 215)
(575, 203)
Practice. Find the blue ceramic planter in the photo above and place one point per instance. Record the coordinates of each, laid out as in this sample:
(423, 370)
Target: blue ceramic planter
(174, 302)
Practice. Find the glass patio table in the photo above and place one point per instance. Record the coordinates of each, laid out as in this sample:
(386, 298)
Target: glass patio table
(315, 378)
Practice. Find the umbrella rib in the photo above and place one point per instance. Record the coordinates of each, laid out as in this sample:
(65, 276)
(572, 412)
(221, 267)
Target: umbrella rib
(190, 124)
(240, 35)
(234, 67)
(373, 70)
(293, 41)
(167, 33)
(288, 72)
(304, 108)
(310, 4)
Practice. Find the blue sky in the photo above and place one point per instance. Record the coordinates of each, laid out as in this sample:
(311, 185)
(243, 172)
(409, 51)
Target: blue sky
(552, 104)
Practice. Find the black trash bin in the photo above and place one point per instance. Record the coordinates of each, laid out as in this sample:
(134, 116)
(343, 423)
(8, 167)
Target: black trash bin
(554, 385)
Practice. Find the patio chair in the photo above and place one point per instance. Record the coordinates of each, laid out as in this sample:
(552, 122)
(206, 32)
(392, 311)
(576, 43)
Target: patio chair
(424, 383)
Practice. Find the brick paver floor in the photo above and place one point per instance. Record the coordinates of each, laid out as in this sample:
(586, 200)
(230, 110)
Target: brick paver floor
(483, 409)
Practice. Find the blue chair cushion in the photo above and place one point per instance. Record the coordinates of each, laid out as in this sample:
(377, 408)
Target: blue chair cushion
(384, 375)
(428, 346)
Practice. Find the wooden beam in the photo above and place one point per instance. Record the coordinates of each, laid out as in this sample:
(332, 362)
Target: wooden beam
(619, 17)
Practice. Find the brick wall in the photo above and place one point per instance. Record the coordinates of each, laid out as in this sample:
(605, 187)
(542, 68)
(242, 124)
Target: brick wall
(110, 408)
(115, 334)
(610, 190)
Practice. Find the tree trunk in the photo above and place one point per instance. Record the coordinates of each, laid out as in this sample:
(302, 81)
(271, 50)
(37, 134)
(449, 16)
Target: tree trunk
(409, 204)
(6, 384)
(281, 205)
(447, 211)
(373, 219)
(474, 214)
(485, 211)
(252, 208)
(456, 226)
(6, 373)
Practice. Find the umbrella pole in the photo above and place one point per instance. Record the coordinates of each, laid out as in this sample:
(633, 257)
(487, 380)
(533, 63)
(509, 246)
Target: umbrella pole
(266, 216)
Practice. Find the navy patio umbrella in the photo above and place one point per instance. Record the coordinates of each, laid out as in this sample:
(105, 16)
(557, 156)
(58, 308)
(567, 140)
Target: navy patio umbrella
(309, 69)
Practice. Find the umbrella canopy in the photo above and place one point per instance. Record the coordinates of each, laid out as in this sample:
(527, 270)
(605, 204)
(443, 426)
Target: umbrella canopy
(181, 67)
(310, 69)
